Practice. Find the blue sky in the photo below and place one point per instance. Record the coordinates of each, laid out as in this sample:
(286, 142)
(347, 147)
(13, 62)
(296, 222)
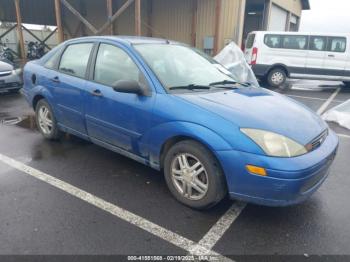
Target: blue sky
(327, 16)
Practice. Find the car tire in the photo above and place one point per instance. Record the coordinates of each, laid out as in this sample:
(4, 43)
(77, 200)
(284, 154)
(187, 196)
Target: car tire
(206, 181)
(346, 84)
(46, 121)
(276, 77)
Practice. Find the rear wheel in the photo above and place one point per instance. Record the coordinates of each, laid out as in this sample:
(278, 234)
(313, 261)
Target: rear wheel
(193, 175)
(46, 121)
(276, 77)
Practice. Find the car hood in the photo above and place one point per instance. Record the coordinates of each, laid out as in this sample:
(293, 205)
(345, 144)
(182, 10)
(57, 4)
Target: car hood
(261, 109)
(5, 66)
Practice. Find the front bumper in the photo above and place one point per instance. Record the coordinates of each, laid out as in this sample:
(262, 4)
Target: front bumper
(10, 82)
(289, 180)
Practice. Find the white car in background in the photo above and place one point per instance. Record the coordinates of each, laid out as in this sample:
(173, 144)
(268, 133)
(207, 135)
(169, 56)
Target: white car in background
(276, 56)
(10, 78)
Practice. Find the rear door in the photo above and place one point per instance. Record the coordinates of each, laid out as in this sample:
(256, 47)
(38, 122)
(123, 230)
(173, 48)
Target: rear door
(316, 55)
(68, 84)
(336, 56)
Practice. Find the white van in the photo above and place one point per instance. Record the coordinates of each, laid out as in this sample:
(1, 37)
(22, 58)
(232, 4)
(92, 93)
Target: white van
(274, 56)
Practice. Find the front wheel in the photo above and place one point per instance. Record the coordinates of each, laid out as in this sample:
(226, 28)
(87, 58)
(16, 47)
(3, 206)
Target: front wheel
(277, 77)
(46, 121)
(193, 175)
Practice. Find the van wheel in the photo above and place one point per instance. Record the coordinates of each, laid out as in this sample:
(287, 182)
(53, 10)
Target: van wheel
(193, 175)
(46, 121)
(277, 77)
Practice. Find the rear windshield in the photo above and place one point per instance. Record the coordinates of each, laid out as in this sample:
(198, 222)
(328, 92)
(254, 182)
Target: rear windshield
(250, 41)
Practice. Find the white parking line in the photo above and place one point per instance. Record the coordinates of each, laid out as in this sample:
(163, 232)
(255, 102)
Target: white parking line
(221, 226)
(342, 135)
(119, 212)
(315, 98)
(323, 108)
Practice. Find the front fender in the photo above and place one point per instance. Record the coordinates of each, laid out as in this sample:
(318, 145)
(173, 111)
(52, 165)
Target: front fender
(158, 136)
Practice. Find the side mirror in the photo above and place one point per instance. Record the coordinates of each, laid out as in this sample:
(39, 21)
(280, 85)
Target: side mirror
(131, 86)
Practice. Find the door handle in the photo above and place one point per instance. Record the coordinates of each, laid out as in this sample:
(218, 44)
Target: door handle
(96, 92)
(331, 55)
(56, 79)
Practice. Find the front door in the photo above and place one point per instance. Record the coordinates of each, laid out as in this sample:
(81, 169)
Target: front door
(118, 119)
(336, 56)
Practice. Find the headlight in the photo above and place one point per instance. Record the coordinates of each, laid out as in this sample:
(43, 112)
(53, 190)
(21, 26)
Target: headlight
(17, 71)
(274, 144)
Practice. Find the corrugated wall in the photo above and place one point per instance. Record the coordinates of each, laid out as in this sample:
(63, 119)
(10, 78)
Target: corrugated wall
(205, 20)
(231, 22)
(172, 19)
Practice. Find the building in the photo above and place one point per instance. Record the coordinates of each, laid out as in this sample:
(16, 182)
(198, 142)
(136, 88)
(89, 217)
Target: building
(206, 24)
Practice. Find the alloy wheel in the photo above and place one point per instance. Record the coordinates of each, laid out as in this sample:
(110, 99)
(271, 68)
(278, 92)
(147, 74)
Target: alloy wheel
(189, 176)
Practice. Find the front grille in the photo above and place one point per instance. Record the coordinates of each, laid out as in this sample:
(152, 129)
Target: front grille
(5, 73)
(8, 85)
(315, 143)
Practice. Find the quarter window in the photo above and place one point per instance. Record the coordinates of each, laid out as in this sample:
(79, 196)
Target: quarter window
(113, 64)
(273, 41)
(318, 43)
(294, 42)
(75, 59)
(336, 44)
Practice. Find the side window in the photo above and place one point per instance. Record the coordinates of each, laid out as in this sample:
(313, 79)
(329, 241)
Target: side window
(318, 43)
(75, 59)
(113, 64)
(336, 44)
(52, 62)
(273, 41)
(294, 42)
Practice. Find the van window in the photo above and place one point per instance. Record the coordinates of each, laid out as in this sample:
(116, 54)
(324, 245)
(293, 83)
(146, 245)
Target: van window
(273, 41)
(294, 42)
(336, 44)
(75, 59)
(318, 43)
(250, 41)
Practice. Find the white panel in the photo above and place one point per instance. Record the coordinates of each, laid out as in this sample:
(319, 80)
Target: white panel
(278, 19)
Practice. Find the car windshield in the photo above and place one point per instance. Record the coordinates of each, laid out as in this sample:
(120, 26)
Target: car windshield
(179, 66)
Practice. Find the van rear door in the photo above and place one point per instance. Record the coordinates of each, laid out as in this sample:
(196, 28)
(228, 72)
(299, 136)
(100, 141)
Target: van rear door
(248, 52)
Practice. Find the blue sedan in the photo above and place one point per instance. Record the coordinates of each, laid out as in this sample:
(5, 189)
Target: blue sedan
(175, 109)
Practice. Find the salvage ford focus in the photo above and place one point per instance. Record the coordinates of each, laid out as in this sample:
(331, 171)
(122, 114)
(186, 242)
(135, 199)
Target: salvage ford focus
(173, 108)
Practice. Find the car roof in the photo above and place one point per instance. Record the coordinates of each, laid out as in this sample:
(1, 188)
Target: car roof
(131, 40)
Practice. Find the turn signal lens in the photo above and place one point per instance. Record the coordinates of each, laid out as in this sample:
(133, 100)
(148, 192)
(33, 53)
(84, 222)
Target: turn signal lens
(256, 170)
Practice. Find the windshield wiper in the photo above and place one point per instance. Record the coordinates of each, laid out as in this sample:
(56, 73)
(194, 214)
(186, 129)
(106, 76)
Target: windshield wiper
(222, 84)
(190, 87)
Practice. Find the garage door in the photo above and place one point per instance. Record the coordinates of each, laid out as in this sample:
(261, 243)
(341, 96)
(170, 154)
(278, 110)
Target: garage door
(278, 19)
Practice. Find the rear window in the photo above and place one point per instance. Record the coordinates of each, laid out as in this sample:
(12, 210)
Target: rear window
(250, 41)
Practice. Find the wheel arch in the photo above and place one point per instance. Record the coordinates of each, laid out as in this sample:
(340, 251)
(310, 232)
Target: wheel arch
(170, 142)
(36, 99)
(281, 66)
